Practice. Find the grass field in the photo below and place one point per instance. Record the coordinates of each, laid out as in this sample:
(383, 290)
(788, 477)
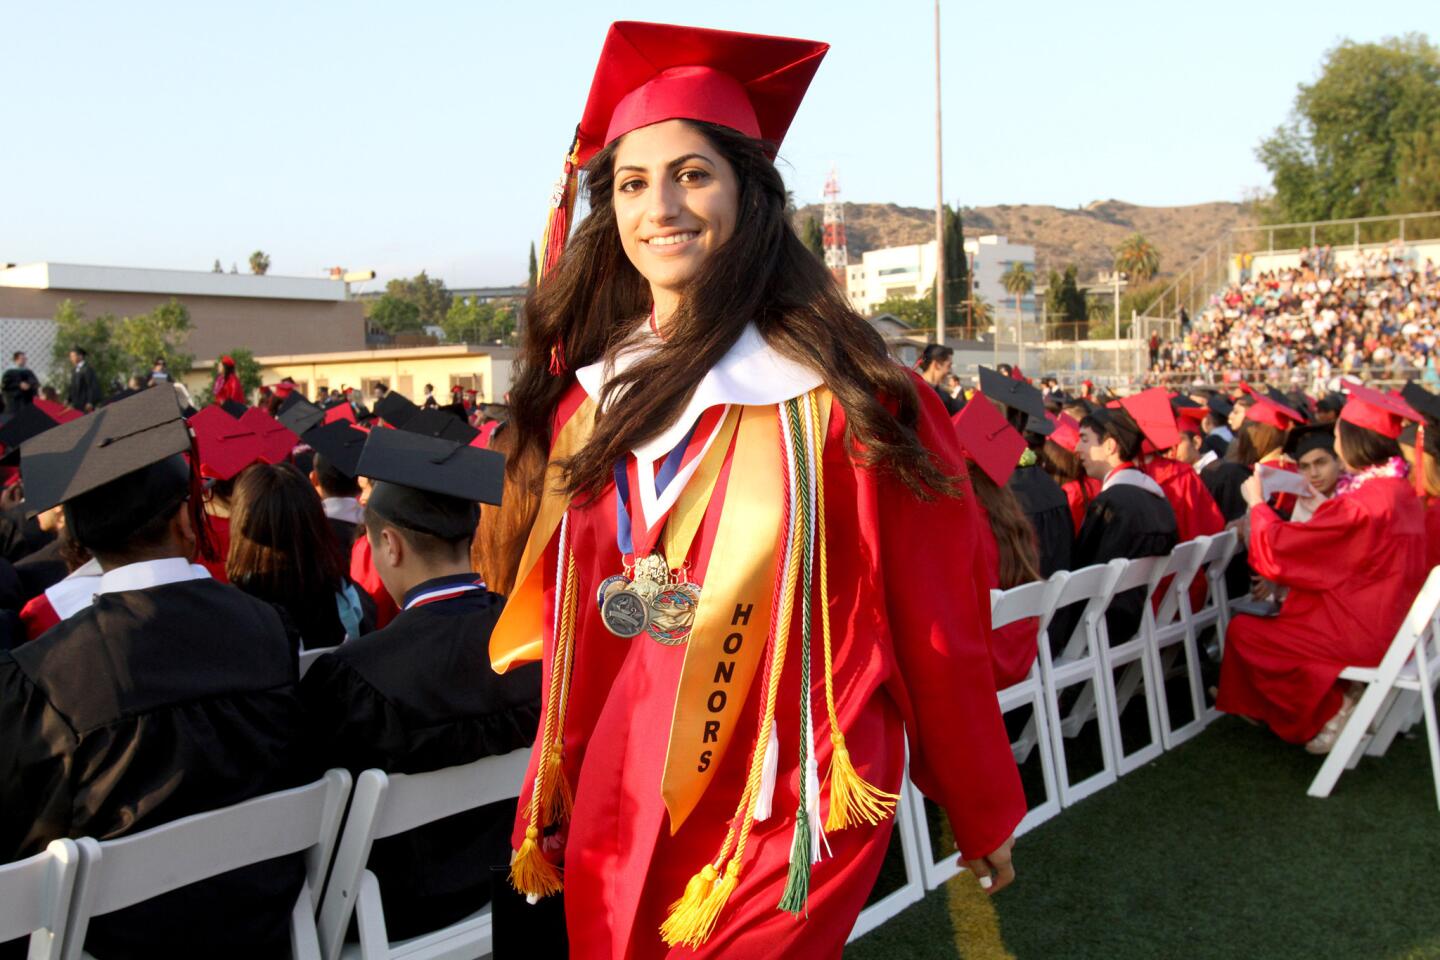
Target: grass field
(1212, 851)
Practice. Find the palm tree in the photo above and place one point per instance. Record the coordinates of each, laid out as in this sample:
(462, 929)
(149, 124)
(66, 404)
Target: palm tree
(1138, 258)
(980, 312)
(1017, 281)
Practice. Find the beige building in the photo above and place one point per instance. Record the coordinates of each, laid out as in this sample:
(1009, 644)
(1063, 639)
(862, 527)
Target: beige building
(406, 369)
(269, 315)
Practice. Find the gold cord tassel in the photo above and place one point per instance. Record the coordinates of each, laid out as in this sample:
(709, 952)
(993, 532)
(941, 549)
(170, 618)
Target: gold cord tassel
(531, 873)
(852, 798)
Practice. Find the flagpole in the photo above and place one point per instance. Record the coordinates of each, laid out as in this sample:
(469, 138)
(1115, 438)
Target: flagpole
(939, 199)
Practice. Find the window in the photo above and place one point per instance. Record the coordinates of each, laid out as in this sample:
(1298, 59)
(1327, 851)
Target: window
(892, 271)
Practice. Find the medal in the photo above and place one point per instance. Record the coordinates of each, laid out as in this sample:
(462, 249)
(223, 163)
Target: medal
(625, 613)
(672, 613)
(608, 586)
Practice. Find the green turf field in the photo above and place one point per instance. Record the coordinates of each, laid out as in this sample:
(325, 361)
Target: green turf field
(1212, 851)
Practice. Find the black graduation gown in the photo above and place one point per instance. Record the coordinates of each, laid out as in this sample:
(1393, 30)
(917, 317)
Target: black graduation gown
(149, 706)
(953, 405)
(344, 531)
(416, 696)
(1045, 505)
(1125, 521)
(41, 570)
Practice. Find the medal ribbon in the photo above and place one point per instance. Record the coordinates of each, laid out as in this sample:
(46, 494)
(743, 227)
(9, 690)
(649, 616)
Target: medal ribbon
(633, 537)
(444, 592)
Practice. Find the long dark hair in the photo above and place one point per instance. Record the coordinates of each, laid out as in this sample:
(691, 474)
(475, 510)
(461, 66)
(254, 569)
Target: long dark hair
(281, 547)
(1014, 534)
(1255, 441)
(764, 275)
(1362, 447)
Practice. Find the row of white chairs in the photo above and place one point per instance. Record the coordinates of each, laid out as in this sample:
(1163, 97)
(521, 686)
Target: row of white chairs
(52, 896)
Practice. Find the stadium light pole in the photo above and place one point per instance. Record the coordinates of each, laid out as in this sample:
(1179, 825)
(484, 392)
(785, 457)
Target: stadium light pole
(939, 199)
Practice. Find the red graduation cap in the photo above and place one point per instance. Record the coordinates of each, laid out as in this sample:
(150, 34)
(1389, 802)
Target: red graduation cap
(1191, 419)
(283, 389)
(651, 72)
(56, 411)
(1278, 415)
(341, 411)
(988, 438)
(226, 445)
(1150, 409)
(1381, 412)
(276, 440)
(1066, 432)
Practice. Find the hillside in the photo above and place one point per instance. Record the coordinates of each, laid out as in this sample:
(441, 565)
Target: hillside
(1084, 236)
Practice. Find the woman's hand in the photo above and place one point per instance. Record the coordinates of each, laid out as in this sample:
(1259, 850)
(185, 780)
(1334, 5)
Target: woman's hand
(1253, 493)
(994, 871)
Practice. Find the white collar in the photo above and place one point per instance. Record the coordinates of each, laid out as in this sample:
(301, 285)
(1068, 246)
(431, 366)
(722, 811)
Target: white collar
(150, 573)
(1131, 477)
(343, 508)
(74, 593)
(751, 373)
(1205, 461)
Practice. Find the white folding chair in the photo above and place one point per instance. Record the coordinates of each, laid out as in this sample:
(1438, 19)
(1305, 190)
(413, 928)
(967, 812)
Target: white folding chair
(1402, 686)
(1131, 655)
(913, 889)
(119, 873)
(1215, 611)
(1079, 665)
(35, 895)
(1029, 600)
(308, 657)
(390, 804)
(1174, 641)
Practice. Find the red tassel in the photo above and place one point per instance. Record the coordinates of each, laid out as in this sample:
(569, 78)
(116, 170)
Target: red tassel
(562, 207)
(1420, 461)
(557, 359)
(204, 544)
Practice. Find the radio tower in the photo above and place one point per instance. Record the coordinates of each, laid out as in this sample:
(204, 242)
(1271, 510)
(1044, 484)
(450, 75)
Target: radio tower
(836, 255)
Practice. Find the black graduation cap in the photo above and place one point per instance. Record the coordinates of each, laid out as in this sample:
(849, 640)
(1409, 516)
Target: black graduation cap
(1219, 405)
(441, 422)
(299, 414)
(1427, 403)
(1332, 402)
(340, 444)
(1017, 395)
(26, 423)
(1310, 436)
(1183, 401)
(235, 408)
(430, 484)
(395, 409)
(76, 457)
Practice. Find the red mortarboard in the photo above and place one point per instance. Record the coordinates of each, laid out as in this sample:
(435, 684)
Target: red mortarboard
(228, 360)
(1150, 409)
(1265, 410)
(283, 389)
(1066, 432)
(988, 438)
(1191, 419)
(227, 445)
(1381, 412)
(57, 411)
(341, 411)
(651, 72)
(276, 439)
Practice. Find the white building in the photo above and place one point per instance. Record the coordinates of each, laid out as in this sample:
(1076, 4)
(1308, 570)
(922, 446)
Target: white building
(910, 272)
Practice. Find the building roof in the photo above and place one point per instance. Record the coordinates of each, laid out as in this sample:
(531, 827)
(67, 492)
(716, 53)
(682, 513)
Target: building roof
(75, 276)
(391, 353)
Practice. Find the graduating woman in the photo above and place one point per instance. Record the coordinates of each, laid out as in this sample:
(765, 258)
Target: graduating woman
(1352, 571)
(227, 384)
(753, 567)
(1060, 460)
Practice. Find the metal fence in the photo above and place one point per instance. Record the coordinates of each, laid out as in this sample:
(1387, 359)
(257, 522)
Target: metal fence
(35, 337)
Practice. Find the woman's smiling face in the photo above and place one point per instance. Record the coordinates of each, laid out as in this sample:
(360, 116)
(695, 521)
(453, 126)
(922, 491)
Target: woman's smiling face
(676, 200)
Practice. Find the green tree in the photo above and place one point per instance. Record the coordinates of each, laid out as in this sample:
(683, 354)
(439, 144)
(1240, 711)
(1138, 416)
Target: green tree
(160, 333)
(814, 238)
(1137, 258)
(1353, 136)
(1419, 173)
(394, 314)
(534, 268)
(1017, 281)
(1065, 304)
(430, 297)
(957, 268)
(74, 329)
(259, 263)
(217, 268)
(918, 313)
(247, 368)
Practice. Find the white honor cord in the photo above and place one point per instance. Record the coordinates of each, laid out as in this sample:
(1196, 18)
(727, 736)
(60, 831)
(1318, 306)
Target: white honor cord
(812, 764)
(770, 771)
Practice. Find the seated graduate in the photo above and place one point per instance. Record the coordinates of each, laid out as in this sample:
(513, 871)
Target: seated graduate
(1352, 571)
(420, 694)
(227, 448)
(166, 694)
(1129, 517)
(1196, 514)
(1312, 447)
(282, 551)
(1059, 459)
(332, 472)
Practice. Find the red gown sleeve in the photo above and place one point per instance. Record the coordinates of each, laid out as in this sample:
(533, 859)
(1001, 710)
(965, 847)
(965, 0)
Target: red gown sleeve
(1303, 555)
(37, 616)
(362, 571)
(937, 599)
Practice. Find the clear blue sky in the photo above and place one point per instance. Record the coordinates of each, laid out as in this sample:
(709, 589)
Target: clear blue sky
(427, 134)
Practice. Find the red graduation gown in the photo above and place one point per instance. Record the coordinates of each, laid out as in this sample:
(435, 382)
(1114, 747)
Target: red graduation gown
(911, 656)
(1196, 513)
(1432, 532)
(1353, 570)
(1012, 647)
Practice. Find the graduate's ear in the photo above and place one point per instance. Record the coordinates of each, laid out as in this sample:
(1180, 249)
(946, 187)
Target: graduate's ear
(183, 530)
(391, 547)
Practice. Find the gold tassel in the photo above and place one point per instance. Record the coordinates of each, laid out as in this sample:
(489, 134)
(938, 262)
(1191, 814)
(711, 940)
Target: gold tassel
(556, 799)
(685, 912)
(852, 799)
(530, 873)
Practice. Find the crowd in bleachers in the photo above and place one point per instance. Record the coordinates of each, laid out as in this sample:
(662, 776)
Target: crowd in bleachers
(1370, 313)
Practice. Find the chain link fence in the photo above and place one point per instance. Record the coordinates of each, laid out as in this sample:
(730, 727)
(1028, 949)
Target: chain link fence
(36, 338)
